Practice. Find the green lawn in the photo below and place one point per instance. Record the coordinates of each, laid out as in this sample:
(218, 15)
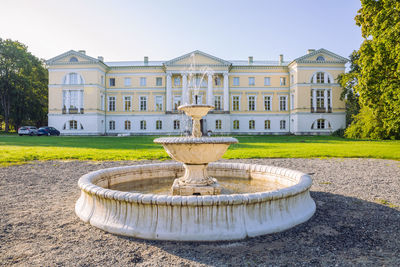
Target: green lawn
(19, 149)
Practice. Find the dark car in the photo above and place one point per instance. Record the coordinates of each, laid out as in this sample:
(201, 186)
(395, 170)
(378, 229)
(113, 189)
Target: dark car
(48, 131)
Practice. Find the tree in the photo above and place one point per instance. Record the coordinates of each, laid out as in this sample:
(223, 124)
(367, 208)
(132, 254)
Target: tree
(348, 81)
(23, 85)
(378, 79)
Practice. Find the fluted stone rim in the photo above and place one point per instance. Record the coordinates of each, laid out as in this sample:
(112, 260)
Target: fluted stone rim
(195, 106)
(196, 140)
(304, 182)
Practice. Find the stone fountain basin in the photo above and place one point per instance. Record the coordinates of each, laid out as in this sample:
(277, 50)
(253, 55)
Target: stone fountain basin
(194, 218)
(193, 150)
(196, 110)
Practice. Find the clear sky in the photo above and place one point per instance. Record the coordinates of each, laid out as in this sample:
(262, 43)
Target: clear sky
(165, 29)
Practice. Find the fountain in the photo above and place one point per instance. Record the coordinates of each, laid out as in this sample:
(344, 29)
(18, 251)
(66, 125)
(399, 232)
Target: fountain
(134, 201)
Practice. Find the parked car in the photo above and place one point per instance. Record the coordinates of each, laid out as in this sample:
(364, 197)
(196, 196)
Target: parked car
(46, 130)
(28, 130)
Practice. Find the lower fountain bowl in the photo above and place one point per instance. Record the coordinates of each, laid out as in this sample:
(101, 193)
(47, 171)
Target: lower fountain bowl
(194, 218)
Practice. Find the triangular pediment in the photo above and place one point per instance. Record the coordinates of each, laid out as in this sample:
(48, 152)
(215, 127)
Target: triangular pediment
(72, 57)
(321, 56)
(197, 58)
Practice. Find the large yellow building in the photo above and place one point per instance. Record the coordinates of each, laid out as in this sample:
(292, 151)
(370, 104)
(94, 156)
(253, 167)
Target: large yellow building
(88, 96)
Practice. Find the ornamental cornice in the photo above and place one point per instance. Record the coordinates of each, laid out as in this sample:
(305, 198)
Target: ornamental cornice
(259, 67)
(136, 67)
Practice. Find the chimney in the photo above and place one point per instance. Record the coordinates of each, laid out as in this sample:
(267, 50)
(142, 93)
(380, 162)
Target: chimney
(146, 60)
(250, 60)
(309, 51)
(82, 52)
(280, 59)
(100, 58)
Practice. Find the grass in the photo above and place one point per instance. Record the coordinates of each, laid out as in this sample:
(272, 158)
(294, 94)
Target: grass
(16, 149)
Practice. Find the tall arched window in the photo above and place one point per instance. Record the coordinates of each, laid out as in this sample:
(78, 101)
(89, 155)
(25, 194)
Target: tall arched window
(73, 78)
(321, 77)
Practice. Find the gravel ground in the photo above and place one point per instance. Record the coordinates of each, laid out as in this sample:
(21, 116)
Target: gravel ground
(357, 221)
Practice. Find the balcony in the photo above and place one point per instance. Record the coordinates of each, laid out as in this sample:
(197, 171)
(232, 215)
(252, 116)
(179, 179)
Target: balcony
(321, 110)
(72, 111)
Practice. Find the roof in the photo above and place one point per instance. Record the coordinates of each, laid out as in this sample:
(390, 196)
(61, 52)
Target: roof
(133, 63)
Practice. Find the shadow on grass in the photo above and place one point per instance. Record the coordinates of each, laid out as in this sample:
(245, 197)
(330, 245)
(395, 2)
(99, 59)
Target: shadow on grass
(344, 231)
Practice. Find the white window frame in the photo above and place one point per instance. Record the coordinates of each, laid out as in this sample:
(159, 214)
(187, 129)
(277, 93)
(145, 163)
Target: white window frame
(177, 81)
(158, 124)
(218, 124)
(143, 125)
(109, 103)
(282, 124)
(252, 124)
(158, 79)
(109, 82)
(176, 103)
(74, 124)
(238, 125)
(217, 81)
(143, 81)
(218, 104)
(252, 81)
(129, 101)
(270, 102)
(158, 105)
(127, 123)
(255, 102)
(239, 106)
(143, 107)
(199, 99)
(236, 81)
(280, 102)
(111, 125)
(282, 81)
(320, 98)
(127, 81)
(265, 124)
(177, 124)
(267, 81)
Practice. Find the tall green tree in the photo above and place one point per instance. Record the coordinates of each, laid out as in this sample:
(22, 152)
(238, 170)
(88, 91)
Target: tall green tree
(378, 80)
(23, 85)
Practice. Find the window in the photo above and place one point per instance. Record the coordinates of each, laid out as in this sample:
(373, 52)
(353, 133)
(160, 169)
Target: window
(127, 103)
(217, 81)
(199, 99)
(252, 124)
(158, 125)
(142, 81)
(282, 103)
(282, 124)
(177, 124)
(252, 81)
(252, 102)
(329, 98)
(159, 103)
(267, 124)
(177, 81)
(320, 77)
(321, 124)
(73, 78)
(217, 102)
(283, 81)
(320, 98)
(142, 125)
(143, 103)
(218, 124)
(127, 125)
(112, 125)
(127, 81)
(72, 99)
(111, 103)
(177, 102)
(320, 58)
(112, 81)
(236, 125)
(236, 81)
(73, 125)
(292, 101)
(267, 103)
(235, 103)
(73, 59)
(102, 102)
(158, 81)
(267, 81)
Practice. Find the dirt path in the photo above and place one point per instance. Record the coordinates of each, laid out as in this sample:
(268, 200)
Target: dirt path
(357, 221)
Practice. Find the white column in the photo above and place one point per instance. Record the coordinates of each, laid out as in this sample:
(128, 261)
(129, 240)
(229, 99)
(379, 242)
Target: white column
(325, 77)
(330, 100)
(168, 97)
(314, 99)
(68, 102)
(185, 99)
(326, 99)
(226, 92)
(79, 101)
(210, 95)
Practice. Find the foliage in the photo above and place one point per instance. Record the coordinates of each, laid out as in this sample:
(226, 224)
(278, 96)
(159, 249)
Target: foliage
(23, 86)
(19, 149)
(378, 80)
(348, 81)
(338, 133)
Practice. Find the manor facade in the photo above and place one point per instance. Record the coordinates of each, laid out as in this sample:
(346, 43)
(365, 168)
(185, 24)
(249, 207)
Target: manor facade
(88, 96)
